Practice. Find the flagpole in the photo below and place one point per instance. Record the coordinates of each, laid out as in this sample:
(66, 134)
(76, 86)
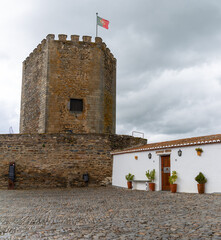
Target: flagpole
(96, 25)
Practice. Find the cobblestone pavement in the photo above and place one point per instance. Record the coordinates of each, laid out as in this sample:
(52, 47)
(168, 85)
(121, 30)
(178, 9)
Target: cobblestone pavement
(108, 213)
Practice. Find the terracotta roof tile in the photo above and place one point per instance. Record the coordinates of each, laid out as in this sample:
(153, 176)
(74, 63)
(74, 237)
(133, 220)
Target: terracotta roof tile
(174, 143)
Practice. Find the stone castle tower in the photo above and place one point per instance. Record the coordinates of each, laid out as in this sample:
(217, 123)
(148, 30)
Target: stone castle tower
(69, 86)
(69, 94)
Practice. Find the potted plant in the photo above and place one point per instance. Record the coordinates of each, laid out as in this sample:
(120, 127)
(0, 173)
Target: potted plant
(199, 151)
(129, 177)
(172, 180)
(201, 179)
(151, 176)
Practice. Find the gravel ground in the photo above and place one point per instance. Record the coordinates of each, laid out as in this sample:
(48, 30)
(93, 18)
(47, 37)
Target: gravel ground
(108, 213)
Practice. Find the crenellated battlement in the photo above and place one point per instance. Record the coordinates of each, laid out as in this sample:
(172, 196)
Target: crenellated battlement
(38, 49)
(75, 40)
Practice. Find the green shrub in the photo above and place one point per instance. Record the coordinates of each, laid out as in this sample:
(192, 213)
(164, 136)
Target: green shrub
(200, 178)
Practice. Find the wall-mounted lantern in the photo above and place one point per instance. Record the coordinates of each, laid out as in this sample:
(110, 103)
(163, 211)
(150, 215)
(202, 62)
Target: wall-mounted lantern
(179, 153)
(149, 155)
(136, 157)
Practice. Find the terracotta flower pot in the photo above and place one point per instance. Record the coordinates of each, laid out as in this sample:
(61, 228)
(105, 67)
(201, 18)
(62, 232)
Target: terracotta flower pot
(201, 188)
(129, 185)
(173, 187)
(152, 186)
(199, 153)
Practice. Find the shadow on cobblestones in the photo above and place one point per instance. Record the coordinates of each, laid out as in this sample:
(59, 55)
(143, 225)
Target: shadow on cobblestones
(108, 213)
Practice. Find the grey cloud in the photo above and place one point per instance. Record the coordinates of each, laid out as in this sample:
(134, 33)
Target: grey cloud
(172, 106)
(4, 55)
(173, 34)
(161, 47)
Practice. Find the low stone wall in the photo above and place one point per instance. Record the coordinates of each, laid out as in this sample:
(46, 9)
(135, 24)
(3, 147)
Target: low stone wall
(59, 160)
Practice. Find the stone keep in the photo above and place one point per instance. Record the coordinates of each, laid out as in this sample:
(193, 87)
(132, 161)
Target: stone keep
(69, 86)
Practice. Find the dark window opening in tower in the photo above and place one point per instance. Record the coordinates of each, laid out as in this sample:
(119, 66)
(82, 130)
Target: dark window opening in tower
(76, 105)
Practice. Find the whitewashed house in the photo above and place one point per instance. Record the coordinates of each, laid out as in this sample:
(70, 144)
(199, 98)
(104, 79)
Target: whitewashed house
(165, 157)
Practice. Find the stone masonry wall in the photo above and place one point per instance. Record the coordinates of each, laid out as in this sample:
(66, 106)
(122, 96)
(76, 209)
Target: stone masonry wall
(59, 160)
(81, 70)
(109, 93)
(60, 70)
(34, 88)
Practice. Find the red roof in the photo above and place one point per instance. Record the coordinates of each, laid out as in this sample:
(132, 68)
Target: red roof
(174, 144)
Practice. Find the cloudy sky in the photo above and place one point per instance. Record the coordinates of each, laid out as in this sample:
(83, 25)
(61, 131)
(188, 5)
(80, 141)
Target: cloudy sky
(168, 59)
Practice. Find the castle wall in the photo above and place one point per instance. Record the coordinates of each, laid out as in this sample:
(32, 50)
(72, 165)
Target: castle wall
(34, 87)
(60, 70)
(59, 160)
(109, 93)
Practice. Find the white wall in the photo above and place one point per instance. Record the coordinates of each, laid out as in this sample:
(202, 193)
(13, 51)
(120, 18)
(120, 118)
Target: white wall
(190, 164)
(187, 167)
(126, 163)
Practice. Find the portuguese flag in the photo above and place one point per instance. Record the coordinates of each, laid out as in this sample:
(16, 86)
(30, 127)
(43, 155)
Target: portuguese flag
(102, 22)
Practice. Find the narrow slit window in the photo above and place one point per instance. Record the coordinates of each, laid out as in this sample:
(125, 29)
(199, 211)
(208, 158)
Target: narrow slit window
(76, 105)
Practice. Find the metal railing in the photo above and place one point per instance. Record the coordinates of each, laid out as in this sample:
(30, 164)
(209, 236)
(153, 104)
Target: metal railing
(138, 133)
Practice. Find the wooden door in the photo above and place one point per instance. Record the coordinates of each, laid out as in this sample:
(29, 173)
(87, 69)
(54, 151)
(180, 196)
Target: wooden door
(165, 172)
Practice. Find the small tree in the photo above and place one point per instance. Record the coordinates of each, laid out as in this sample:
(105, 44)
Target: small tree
(173, 177)
(151, 175)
